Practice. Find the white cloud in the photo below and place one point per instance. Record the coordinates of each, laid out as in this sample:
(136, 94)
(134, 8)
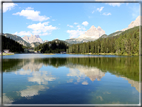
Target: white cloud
(114, 4)
(85, 83)
(24, 72)
(41, 77)
(23, 33)
(29, 8)
(75, 23)
(80, 30)
(70, 26)
(100, 9)
(85, 23)
(106, 14)
(42, 27)
(75, 73)
(32, 90)
(31, 14)
(6, 100)
(8, 6)
(75, 33)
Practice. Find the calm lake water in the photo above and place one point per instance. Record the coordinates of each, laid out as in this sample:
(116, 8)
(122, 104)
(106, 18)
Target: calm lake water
(70, 79)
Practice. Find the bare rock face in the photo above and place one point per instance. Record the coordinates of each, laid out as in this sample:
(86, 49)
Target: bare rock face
(93, 33)
(32, 38)
(133, 23)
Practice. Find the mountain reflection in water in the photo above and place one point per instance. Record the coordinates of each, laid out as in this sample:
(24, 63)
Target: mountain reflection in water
(80, 71)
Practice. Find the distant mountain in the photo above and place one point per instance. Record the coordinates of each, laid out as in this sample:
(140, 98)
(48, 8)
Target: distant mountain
(111, 35)
(73, 41)
(90, 35)
(33, 38)
(93, 33)
(78, 40)
(133, 23)
(17, 38)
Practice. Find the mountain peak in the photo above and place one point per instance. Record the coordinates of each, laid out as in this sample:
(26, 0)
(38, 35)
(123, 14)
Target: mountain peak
(133, 23)
(93, 27)
(33, 38)
(93, 33)
(99, 27)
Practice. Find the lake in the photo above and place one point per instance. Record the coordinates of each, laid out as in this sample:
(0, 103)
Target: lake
(70, 79)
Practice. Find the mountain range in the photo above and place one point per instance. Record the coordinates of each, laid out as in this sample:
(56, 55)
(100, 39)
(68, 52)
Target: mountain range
(90, 35)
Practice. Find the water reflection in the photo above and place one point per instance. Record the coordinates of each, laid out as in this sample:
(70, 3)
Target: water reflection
(40, 76)
(91, 72)
(32, 90)
(32, 65)
(6, 100)
(133, 83)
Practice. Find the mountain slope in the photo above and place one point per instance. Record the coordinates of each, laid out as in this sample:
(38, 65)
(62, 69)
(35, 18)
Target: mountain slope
(126, 43)
(93, 33)
(11, 44)
(33, 38)
(55, 46)
(115, 33)
(90, 35)
(104, 36)
(133, 23)
(35, 44)
(17, 38)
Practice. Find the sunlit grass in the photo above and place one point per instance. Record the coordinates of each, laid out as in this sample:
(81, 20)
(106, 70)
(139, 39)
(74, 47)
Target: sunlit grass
(7, 54)
(48, 54)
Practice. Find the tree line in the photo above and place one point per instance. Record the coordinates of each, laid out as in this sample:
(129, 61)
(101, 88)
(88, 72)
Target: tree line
(125, 43)
(52, 47)
(12, 45)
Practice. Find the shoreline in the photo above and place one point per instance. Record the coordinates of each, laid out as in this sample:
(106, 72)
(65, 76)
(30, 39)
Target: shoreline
(105, 54)
(73, 53)
(7, 54)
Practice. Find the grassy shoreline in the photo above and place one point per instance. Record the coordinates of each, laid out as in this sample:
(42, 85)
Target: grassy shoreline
(48, 54)
(7, 54)
(105, 54)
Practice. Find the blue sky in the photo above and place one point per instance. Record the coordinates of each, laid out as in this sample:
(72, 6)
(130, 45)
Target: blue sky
(66, 20)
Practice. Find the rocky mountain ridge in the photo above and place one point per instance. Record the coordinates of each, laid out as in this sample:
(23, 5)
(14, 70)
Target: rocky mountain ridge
(93, 33)
(90, 35)
(33, 38)
(133, 23)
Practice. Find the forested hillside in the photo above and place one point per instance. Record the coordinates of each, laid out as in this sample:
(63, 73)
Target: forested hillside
(55, 46)
(12, 45)
(17, 38)
(126, 43)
